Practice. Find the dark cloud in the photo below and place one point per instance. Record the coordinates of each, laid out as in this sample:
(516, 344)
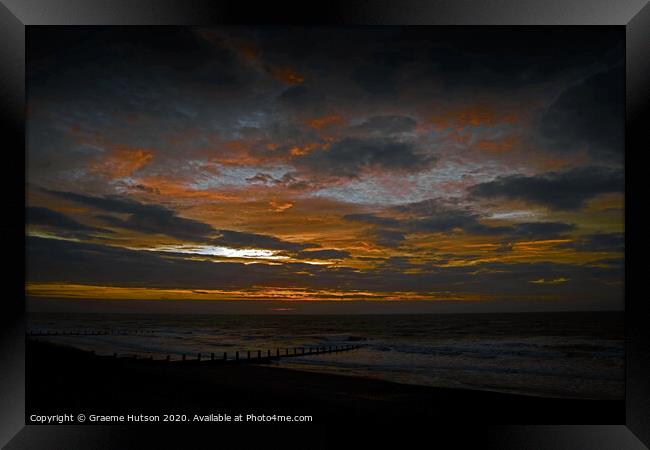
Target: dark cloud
(157, 219)
(373, 219)
(144, 218)
(433, 216)
(238, 239)
(375, 79)
(541, 230)
(600, 242)
(429, 216)
(589, 115)
(387, 238)
(396, 263)
(37, 215)
(386, 125)
(350, 157)
(302, 97)
(570, 189)
(55, 260)
(324, 254)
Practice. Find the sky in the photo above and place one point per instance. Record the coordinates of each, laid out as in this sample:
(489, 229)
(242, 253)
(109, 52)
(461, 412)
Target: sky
(422, 165)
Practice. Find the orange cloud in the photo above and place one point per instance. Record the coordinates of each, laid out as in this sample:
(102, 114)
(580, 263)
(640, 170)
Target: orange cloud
(325, 121)
(554, 281)
(122, 162)
(287, 75)
(280, 207)
(71, 290)
(498, 146)
(473, 115)
(178, 189)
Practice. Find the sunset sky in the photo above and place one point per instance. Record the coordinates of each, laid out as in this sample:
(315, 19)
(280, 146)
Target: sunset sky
(423, 164)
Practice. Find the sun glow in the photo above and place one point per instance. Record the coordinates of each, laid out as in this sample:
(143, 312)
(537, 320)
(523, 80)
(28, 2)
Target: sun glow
(225, 252)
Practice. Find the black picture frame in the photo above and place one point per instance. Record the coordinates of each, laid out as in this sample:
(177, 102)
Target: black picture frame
(633, 15)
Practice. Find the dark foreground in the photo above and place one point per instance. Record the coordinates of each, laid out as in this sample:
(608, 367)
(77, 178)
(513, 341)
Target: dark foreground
(63, 380)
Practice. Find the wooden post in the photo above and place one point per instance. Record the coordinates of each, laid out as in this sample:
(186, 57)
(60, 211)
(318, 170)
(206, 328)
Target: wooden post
(295, 351)
(268, 353)
(302, 350)
(225, 356)
(237, 355)
(248, 354)
(259, 354)
(286, 351)
(277, 352)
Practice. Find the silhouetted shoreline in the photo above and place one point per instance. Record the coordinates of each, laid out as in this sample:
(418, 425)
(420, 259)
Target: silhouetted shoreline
(65, 380)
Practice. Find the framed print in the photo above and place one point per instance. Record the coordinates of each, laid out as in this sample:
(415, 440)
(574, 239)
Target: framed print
(234, 219)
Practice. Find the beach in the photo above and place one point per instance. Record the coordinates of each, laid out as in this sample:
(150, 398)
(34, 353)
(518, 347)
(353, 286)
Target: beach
(62, 380)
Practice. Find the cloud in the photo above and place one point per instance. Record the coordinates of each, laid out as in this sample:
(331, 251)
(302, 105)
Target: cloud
(433, 216)
(324, 254)
(387, 238)
(589, 115)
(428, 216)
(121, 162)
(144, 218)
(373, 219)
(566, 190)
(600, 242)
(541, 230)
(157, 219)
(385, 125)
(349, 157)
(37, 215)
(553, 281)
(375, 79)
(238, 239)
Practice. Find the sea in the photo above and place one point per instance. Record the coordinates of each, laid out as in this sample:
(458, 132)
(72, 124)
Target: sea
(565, 355)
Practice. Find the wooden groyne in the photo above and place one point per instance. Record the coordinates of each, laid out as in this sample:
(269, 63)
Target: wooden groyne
(241, 357)
(258, 356)
(233, 357)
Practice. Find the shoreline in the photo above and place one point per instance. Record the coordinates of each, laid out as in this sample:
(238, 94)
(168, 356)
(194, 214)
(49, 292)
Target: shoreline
(62, 379)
